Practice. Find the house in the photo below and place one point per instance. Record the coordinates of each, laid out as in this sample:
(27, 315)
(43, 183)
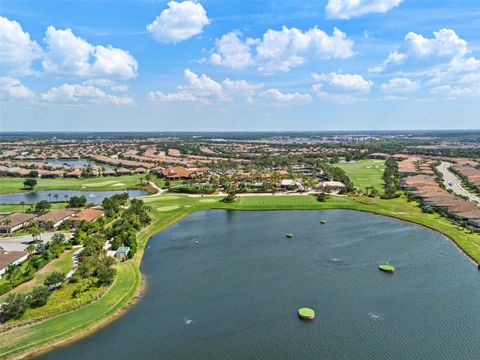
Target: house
(11, 258)
(140, 170)
(77, 173)
(336, 185)
(381, 156)
(122, 253)
(54, 217)
(123, 171)
(177, 172)
(89, 214)
(109, 172)
(50, 174)
(15, 221)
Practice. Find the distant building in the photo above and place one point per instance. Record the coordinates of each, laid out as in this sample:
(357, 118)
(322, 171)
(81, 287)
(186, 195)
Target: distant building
(382, 156)
(123, 171)
(77, 173)
(177, 172)
(109, 172)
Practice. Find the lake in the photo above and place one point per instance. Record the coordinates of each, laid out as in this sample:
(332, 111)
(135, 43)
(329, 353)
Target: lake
(95, 197)
(236, 293)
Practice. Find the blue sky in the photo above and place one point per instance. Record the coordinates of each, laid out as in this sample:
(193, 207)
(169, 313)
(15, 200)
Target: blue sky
(239, 65)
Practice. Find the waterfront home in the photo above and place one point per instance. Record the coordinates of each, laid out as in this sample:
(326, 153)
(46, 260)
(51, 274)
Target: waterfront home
(86, 215)
(8, 258)
(15, 221)
(54, 218)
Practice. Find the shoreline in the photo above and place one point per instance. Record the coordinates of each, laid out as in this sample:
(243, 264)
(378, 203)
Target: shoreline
(151, 230)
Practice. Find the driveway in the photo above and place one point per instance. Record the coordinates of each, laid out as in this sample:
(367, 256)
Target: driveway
(454, 183)
(18, 243)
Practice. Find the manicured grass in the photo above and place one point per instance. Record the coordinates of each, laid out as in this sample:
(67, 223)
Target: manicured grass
(128, 279)
(21, 339)
(365, 173)
(13, 184)
(9, 208)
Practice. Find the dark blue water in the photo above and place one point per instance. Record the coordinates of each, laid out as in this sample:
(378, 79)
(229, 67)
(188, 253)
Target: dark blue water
(94, 197)
(236, 293)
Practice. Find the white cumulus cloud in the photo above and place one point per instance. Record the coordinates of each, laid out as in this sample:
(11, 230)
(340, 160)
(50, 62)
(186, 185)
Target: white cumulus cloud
(400, 85)
(351, 83)
(17, 50)
(277, 97)
(83, 94)
(12, 88)
(280, 50)
(70, 55)
(203, 89)
(445, 43)
(180, 21)
(232, 52)
(346, 9)
(444, 46)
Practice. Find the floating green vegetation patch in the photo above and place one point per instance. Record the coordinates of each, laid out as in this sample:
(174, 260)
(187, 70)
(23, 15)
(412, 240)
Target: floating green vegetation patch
(386, 268)
(306, 313)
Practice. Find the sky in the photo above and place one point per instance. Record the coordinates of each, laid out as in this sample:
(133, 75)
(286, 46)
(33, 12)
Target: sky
(250, 65)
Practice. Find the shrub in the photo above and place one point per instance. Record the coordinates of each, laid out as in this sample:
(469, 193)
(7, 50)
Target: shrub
(14, 306)
(54, 278)
(39, 296)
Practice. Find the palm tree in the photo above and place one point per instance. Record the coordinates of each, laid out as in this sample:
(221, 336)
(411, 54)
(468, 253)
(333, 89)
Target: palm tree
(66, 197)
(35, 231)
(30, 249)
(13, 272)
(56, 197)
(23, 204)
(49, 196)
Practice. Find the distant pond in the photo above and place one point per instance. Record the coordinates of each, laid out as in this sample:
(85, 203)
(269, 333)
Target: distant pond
(69, 162)
(227, 285)
(95, 197)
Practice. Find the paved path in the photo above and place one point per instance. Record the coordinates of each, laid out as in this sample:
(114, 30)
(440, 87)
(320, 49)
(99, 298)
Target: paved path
(157, 194)
(454, 183)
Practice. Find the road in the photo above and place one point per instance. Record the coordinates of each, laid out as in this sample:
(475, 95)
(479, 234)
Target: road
(18, 243)
(453, 183)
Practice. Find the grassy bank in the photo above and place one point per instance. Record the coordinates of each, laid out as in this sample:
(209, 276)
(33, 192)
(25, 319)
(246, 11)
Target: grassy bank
(365, 173)
(169, 209)
(15, 184)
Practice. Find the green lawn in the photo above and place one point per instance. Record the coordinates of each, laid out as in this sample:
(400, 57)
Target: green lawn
(25, 338)
(365, 173)
(13, 184)
(9, 208)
